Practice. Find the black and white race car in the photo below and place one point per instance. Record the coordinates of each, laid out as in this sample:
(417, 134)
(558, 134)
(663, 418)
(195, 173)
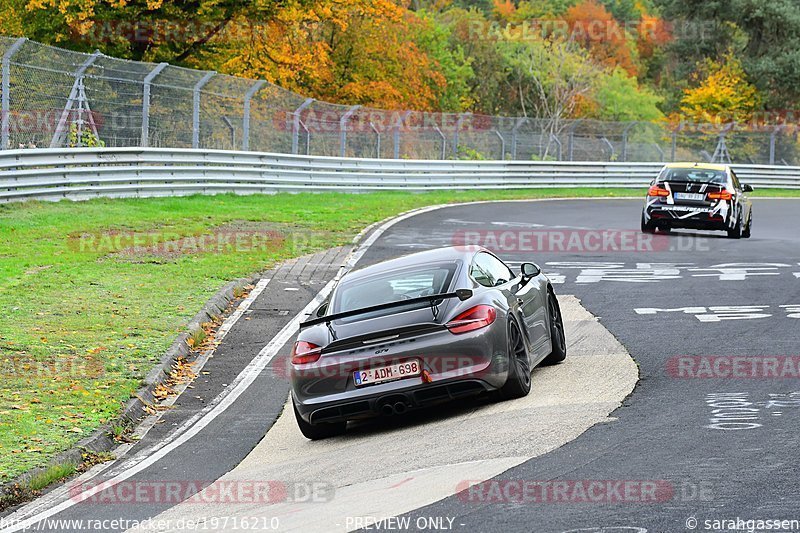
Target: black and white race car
(698, 196)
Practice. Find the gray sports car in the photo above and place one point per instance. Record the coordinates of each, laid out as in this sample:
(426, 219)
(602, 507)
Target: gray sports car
(422, 329)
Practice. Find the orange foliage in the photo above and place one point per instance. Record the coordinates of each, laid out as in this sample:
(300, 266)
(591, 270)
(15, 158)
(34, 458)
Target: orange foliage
(653, 33)
(356, 52)
(504, 9)
(599, 32)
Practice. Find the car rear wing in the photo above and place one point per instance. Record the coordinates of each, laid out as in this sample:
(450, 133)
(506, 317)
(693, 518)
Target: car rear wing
(461, 294)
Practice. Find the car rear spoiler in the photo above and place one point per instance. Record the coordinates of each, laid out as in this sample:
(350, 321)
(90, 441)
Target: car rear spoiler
(461, 294)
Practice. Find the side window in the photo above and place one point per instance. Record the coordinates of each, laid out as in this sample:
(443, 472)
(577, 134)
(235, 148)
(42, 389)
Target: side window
(489, 271)
(735, 179)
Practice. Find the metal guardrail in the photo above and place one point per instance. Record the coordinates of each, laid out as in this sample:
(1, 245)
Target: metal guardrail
(80, 173)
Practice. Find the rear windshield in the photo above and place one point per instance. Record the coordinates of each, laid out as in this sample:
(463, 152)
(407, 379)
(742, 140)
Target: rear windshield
(701, 175)
(394, 286)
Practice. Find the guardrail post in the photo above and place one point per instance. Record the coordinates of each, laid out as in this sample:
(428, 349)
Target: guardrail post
(514, 132)
(5, 108)
(146, 103)
(196, 107)
(246, 118)
(343, 129)
(296, 125)
(400, 121)
(455, 133)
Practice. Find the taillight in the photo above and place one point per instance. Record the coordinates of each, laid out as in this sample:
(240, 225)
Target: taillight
(478, 317)
(305, 352)
(655, 190)
(721, 195)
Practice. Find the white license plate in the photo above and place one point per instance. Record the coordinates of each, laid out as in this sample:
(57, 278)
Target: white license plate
(381, 374)
(689, 196)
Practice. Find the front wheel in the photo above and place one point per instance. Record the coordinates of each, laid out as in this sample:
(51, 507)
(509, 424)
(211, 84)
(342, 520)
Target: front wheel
(557, 337)
(318, 431)
(518, 383)
(749, 228)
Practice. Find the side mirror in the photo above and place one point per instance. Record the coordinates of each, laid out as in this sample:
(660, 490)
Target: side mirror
(747, 188)
(530, 270)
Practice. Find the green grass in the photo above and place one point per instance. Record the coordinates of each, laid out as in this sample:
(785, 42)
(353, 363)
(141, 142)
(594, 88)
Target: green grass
(81, 326)
(50, 475)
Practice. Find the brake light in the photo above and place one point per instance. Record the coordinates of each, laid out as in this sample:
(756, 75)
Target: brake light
(305, 352)
(721, 195)
(478, 317)
(655, 190)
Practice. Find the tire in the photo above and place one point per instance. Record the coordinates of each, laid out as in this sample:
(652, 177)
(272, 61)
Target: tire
(736, 231)
(518, 383)
(318, 431)
(557, 336)
(749, 228)
(647, 227)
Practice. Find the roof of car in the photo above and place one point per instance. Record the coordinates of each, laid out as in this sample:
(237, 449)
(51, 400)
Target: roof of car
(702, 166)
(451, 253)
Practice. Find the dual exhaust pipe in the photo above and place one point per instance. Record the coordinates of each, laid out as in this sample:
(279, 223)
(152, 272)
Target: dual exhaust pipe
(397, 408)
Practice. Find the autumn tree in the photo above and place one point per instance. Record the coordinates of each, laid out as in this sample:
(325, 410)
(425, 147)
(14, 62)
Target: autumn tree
(721, 93)
(594, 28)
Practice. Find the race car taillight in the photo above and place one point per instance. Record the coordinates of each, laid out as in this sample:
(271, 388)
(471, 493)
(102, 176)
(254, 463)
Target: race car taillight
(656, 190)
(478, 317)
(721, 195)
(305, 352)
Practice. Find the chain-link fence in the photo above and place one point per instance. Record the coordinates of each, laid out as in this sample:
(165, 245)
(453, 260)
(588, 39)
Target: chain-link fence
(54, 98)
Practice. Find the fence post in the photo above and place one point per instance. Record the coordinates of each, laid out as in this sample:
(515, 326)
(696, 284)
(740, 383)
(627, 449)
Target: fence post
(625, 140)
(378, 134)
(5, 109)
(396, 140)
(196, 107)
(571, 142)
(444, 141)
(343, 129)
(296, 124)
(146, 103)
(502, 144)
(514, 132)
(555, 139)
(772, 138)
(246, 119)
(455, 133)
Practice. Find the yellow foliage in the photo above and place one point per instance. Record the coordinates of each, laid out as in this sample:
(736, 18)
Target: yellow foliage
(723, 93)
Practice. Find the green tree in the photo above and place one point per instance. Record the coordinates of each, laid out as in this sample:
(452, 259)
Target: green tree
(619, 97)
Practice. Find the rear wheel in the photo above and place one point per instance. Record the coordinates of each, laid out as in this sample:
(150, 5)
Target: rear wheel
(648, 227)
(736, 231)
(318, 431)
(518, 383)
(557, 337)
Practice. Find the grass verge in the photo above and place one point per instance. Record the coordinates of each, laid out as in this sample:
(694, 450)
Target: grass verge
(93, 293)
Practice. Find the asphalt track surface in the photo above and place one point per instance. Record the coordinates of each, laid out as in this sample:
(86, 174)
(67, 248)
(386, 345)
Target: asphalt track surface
(711, 457)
